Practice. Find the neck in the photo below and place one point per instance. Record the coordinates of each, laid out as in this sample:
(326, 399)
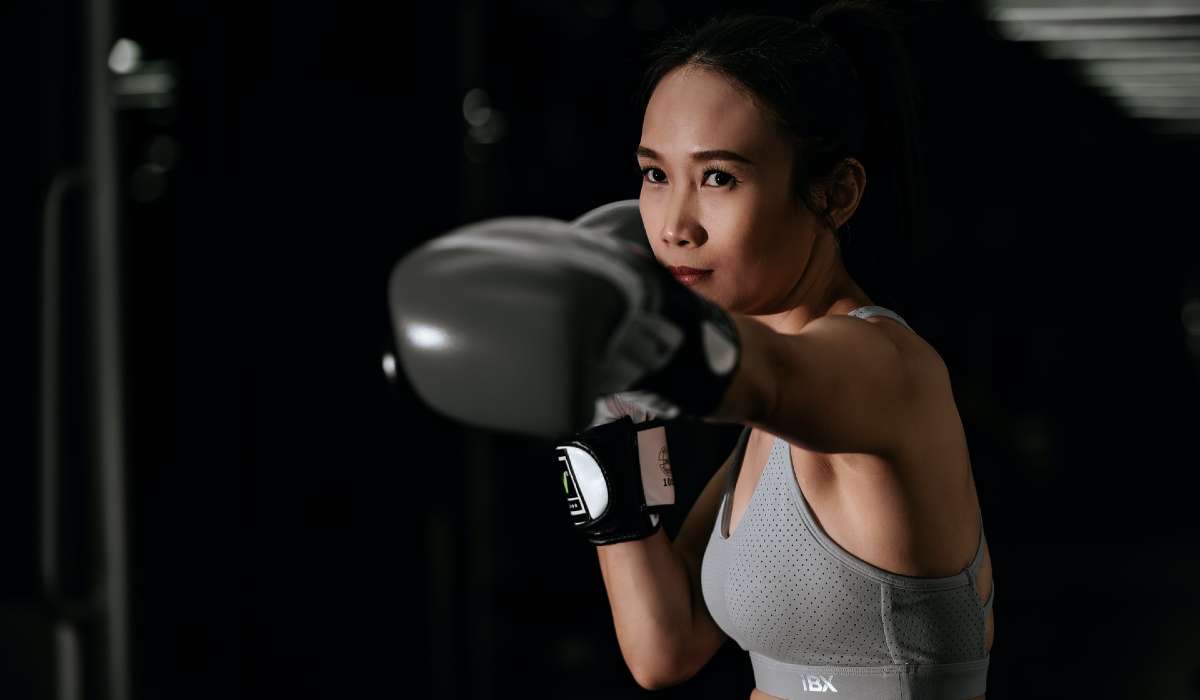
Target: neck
(824, 288)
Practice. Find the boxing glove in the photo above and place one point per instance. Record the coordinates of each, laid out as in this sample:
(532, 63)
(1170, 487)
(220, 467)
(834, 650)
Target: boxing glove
(518, 324)
(620, 220)
(617, 474)
(632, 513)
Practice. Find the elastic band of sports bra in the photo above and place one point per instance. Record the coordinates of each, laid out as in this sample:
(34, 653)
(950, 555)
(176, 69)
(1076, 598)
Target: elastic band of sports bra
(965, 679)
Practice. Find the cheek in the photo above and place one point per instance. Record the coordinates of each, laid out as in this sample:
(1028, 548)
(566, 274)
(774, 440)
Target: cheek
(765, 262)
(753, 251)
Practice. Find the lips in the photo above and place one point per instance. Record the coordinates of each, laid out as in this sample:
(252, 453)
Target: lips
(688, 275)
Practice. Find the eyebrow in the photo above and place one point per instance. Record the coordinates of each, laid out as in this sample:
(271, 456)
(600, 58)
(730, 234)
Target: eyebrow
(700, 155)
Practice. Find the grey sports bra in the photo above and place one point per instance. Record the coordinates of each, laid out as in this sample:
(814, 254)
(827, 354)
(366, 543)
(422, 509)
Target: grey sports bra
(815, 618)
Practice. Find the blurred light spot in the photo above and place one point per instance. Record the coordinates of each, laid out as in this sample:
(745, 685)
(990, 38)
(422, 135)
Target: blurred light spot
(1086, 11)
(479, 116)
(1122, 49)
(389, 366)
(476, 107)
(490, 131)
(162, 151)
(146, 84)
(1145, 55)
(125, 56)
(148, 182)
(1191, 317)
(648, 15)
(426, 336)
(1097, 32)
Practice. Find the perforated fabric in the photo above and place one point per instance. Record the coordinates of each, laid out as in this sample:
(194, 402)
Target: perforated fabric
(815, 617)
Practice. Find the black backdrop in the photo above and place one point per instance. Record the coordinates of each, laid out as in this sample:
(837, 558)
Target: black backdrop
(301, 529)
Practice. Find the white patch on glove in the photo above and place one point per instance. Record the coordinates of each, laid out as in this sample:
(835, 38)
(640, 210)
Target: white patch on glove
(719, 350)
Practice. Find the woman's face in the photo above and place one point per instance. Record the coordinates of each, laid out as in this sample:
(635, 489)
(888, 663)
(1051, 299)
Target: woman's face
(716, 192)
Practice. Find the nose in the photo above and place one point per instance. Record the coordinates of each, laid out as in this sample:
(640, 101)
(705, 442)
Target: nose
(680, 226)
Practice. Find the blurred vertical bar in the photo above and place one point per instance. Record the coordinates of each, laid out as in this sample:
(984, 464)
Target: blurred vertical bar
(107, 419)
(477, 190)
(441, 596)
(66, 661)
(481, 459)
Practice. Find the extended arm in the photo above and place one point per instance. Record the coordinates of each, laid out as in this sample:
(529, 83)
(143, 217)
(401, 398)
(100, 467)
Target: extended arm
(841, 385)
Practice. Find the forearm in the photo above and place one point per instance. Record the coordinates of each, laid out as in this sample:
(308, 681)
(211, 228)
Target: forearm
(650, 593)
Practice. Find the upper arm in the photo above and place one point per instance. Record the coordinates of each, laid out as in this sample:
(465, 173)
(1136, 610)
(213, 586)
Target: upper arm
(690, 542)
(693, 535)
(845, 385)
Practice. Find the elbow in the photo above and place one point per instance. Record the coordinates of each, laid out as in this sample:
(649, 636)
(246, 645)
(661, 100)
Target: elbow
(646, 682)
(667, 674)
(649, 677)
(654, 681)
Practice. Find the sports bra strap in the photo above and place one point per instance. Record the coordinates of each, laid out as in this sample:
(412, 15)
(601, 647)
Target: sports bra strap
(739, 453)
(977, 562)
(871, 310)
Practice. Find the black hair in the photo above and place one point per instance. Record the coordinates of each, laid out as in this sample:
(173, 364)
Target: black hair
(838, 82)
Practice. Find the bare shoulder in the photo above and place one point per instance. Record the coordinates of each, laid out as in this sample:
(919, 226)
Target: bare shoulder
(932, 414)
(930, 406)
(920, 358)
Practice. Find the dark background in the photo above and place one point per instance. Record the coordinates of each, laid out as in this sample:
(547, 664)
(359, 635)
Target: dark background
(299, 528)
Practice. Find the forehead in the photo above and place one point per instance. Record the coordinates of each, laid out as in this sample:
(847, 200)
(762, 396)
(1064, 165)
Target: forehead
(693, 108)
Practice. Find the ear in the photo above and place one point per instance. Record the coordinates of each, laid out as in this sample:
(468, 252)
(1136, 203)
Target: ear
(847, 186)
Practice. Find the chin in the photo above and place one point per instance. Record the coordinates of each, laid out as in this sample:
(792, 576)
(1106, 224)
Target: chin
(712, 297)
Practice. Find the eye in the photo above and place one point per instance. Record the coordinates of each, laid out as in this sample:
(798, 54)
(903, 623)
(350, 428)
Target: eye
(646, 171)
(729, 178)
(722, 178)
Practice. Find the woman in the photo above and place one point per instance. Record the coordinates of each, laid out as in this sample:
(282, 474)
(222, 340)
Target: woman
(845, 552)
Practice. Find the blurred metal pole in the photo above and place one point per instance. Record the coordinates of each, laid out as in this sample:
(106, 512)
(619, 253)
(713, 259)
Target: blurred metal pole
(66, 662)
(104, 332)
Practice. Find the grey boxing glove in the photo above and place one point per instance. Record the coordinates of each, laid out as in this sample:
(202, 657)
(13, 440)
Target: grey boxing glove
(620, 220)
(557, 315)
(715, 344)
